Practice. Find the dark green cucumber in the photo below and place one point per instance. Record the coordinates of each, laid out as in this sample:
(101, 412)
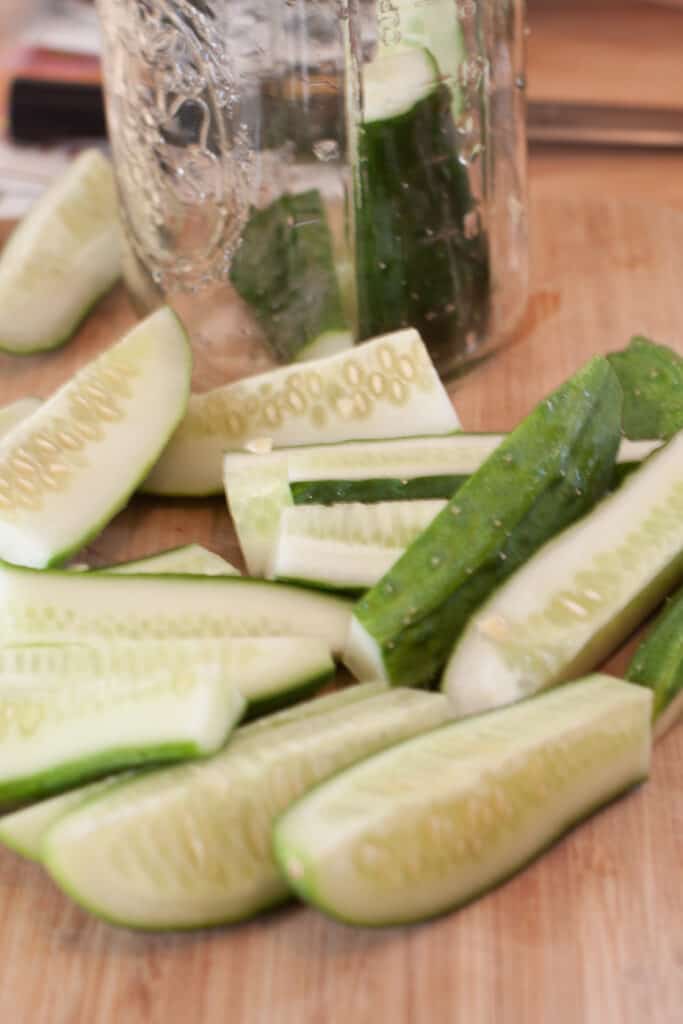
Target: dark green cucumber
(546, 474)
(284, 270)
(658, 664)
(651, 377)
(421, 256)
(370, 492)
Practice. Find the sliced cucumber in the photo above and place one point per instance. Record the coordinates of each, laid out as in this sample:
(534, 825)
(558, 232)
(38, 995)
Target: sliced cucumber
(579, 596)
(333, 701)
(651, 377)
(67, 469)
(284, 270)
(347, 547)
(23, 830)
(421, 255)
(658, 663)
(53, 607)
(72, 713)
(373, 391)
(61, 259)
(190, 847)
(546, 474)
(259, 486)
(192, 559)
(15, 412)
(440, 819)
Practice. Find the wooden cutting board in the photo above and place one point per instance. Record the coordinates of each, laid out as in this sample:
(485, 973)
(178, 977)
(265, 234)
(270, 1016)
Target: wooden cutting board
(590, 934)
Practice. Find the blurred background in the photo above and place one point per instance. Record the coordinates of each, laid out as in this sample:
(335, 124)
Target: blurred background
(605, 89)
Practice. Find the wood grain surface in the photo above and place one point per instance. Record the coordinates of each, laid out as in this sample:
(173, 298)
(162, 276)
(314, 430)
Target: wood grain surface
(590, 934)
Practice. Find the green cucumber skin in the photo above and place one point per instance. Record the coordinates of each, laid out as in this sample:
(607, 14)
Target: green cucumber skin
(651, 377)
(307, 892)
(552, 469)
(305, 689)
(331, 492)
(658, 662)
(73, 773)
(284, 271)
(415, 265)
(126, 631)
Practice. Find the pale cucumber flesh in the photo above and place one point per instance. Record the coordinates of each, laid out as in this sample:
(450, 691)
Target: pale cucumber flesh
(190, 846)
(347, 547)
(61, 258)
(72, 714)
(69, 467)
(192, 559)
(579, 596)
(11, 415)
(372, 391)
(23, 830)
(52, 607)
(438, 820)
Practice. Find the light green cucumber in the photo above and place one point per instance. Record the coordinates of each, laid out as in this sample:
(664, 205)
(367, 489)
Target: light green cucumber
(72, 714)
(23, 830)
(55, 607)
(347, 547)
(260, 485)
(546, 474)
(651, 377)
(375, 390)
(69, 467)
(421, 252)
(658, 664)
(15, 412)
(61, 259)
(192, 559)
(440, 819)
(191, 847)
(578, 597)
(284, 270)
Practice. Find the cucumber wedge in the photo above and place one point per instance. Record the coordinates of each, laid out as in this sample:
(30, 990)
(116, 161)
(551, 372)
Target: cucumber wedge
(192, 559)
(71, 714)
(284, 270)
(546, 474)
(579, 596)
(55, 607)
(61, 259)
(373, 391)
(307, 709)
(421, 256)
(651, 377)
(658, 664)
(190, 847)
(67, 469)
(23, 830)
(259, 486)
(15, 412)
(438, 820)
(347, 547)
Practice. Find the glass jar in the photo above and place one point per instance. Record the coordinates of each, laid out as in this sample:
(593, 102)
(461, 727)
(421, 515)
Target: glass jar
(296, 176)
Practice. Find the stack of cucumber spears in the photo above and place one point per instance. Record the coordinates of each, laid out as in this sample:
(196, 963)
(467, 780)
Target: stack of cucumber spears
(491, 568)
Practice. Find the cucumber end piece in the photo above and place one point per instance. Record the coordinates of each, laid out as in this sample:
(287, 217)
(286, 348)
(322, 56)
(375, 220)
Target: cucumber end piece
(362, 654)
